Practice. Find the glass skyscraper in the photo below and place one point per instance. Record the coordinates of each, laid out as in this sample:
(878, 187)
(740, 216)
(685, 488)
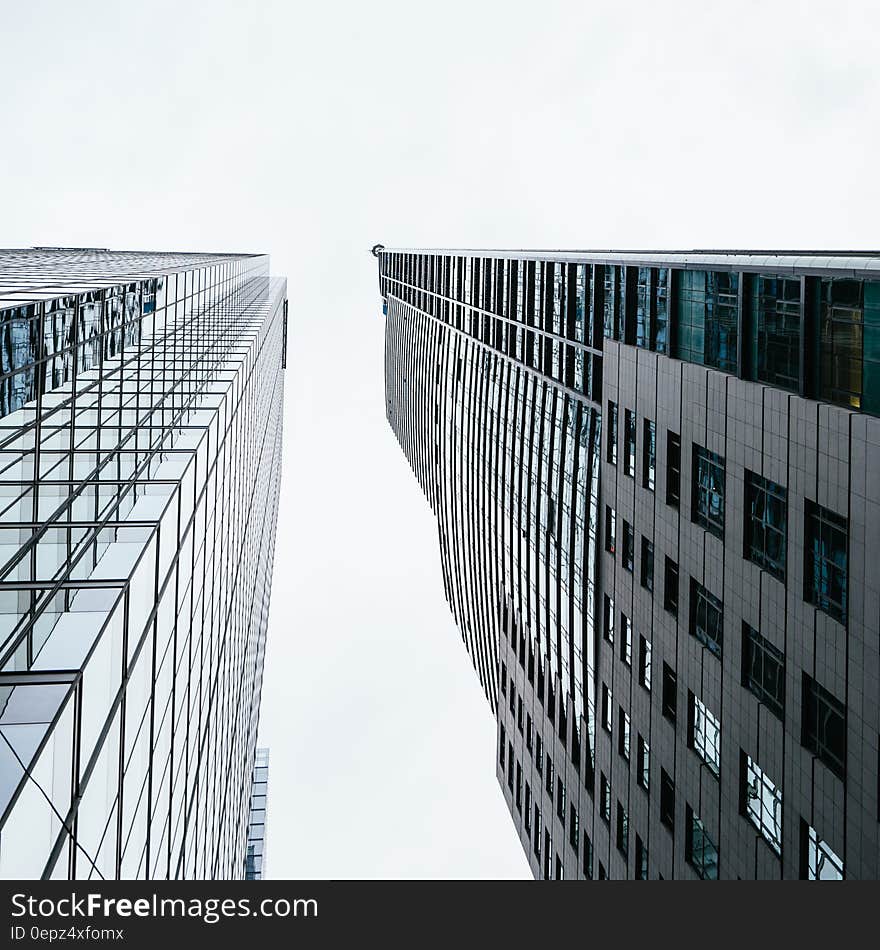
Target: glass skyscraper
(255, 860)
(656, 478)
(140, 447)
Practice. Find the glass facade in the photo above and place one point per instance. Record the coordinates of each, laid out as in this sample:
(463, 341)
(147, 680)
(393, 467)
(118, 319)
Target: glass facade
(141, 438)
(255, 858)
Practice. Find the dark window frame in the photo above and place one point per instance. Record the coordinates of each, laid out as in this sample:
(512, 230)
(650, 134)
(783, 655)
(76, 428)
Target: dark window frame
(708, 490)
(761, 535)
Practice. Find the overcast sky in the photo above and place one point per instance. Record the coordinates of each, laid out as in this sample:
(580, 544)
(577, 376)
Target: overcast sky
(311, 131)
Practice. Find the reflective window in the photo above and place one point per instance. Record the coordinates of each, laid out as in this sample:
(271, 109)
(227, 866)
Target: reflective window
(649, 455)
(776, 316)
(670, 586)
(641, 870)
(643, 763)
(841, 347)
(623, 732)
(824, 725)
(645, 663)
(610, 529)
(667, 799)
(673, 469)
(626, 638)
(608, 619)
(647, 564)
(670, 692)
(604, 797)
(762, 803)
(706, 618)
(821, 863)
(704, 734)
(611, 454)
(706, 330)
(766, 524)
(764, 670)
(708, 490)
(700, 851)
(622, 830)
(629, 443)
(629, 541)
(825, 570)
(606, 708)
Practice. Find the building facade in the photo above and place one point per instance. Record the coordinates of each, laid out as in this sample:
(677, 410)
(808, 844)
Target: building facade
(140, 444)
(656, 478)
(255, 860)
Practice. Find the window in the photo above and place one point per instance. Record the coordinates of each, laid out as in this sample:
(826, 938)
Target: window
(548, 854)
(512, 694)
(612, 433)
(762, 803)
(775, 303)
(667, 799)
(503, 679)
(706, 312)
(629, 443)
(604, 797)
(673, 469)
(606, 708)
(643, 763)
(529, 732)
(766, 524)
(649, 454)
(641, 872)
(549, 777)
(708, 490)
(825, 567)
(670, 586)
(610, 529)
(699, 851)
(704, 733)
(537, 823)
(824, 726)
(818, 862)
(573, 828)
(560, 873)
(629, 543)
(501, 749)
(519, 779)
(622, 733)
(670, 688)
(842, 327)
(603, 874)
(645, 663)
(528, 808)
(519, 714)
(510, 765)
(647, 564)
(626, 639)
(560, 800)
(763, 671)
(707, 618)
(622, 831)
(539, 753)
(608, 619)
(588, 857)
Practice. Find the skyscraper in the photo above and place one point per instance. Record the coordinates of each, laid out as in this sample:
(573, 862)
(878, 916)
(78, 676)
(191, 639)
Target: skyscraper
(140, 445)
(255, 860)
(656, 478)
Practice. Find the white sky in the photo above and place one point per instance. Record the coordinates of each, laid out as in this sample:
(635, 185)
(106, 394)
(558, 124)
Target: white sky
(311, 131)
